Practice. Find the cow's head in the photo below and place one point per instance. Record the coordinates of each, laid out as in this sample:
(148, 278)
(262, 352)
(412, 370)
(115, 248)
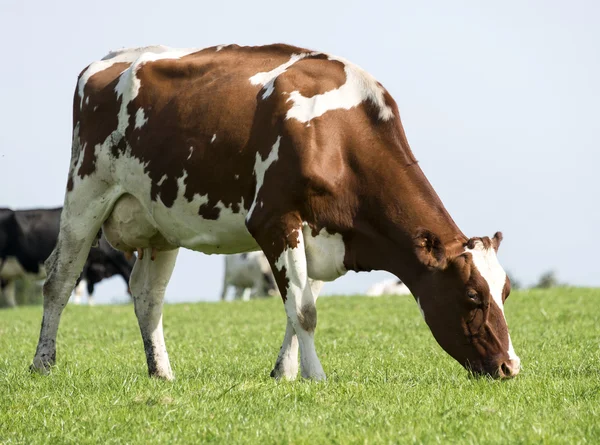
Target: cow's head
(462, 298)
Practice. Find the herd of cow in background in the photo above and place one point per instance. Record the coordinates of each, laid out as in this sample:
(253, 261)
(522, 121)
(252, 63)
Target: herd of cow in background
(27, 238)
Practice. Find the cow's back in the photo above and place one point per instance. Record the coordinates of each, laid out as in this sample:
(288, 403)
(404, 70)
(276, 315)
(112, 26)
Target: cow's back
(191, 134)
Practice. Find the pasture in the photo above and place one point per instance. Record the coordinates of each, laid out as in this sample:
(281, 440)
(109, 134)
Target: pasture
(388, 381)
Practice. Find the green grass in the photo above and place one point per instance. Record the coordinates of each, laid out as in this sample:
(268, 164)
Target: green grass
(388, 381)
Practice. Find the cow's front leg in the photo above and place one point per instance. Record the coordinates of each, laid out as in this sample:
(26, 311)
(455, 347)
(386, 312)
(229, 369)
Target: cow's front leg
(148, 283)
(283, 244)
(286, 365)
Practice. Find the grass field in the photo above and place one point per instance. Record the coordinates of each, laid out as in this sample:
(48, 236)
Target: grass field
(388, 381)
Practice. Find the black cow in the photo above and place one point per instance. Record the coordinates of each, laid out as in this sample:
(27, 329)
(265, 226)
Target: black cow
(27, 238)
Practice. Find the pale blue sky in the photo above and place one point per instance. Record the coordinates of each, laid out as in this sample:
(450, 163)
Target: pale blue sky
(500, 101)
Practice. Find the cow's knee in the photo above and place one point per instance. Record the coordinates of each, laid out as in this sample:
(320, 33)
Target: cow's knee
(307, 317)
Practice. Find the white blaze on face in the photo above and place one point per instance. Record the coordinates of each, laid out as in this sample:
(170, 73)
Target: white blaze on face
(486, 262)
(260, 168)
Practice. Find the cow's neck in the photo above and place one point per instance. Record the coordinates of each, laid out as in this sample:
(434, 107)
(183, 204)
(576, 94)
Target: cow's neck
(383, 238)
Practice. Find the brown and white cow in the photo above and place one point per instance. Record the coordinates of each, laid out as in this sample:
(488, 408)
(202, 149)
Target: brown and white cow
(301, 154)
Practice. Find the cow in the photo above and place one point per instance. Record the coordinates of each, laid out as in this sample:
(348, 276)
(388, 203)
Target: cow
(388, 287)
(27, 238)
(294, 152)
(250, 274)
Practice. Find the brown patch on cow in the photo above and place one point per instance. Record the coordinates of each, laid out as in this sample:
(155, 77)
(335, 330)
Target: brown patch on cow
(312, 76)
(98, 117)
(307, 317)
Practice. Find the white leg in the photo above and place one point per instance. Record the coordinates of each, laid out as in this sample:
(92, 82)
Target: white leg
(63, 266)
(224, 292)
(90, 300)
(246, 294)
(9, 294)
(84, 211)
(79, 292)
(225, 283)
(239, 292)
(286, 365)
(300, 306)
(148, 283)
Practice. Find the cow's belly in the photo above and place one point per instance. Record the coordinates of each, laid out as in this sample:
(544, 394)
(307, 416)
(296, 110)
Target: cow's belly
(135, 224)
(11, 269)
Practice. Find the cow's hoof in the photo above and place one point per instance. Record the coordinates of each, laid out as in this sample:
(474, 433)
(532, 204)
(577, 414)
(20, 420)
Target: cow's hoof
(40, 366)
(316, 377)
(282, 372)
(167, 376)
(314, 373)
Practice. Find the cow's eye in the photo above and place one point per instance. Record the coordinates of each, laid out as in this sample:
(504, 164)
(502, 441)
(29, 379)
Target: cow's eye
(473, 296)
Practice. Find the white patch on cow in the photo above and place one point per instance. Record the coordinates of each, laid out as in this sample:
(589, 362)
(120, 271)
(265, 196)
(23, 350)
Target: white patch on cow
(359, 87)
(191, 152)
(295, 272)
(421, 309)
(486, 262)
(140, 118)
(324, 254)
(87, 100)
(299, 295)
(213, 138)
(220, 47)
(260, 168)
(95, 107)
(161, 180)
(267, 79)
(236, 176)
(79, 291)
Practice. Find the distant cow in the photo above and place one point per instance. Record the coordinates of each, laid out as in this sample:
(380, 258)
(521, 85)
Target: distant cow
(27, 238)
(250, 274)
(388, 287)
(294, 152)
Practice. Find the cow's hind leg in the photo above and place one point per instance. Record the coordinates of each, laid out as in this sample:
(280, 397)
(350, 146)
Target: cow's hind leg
(84, 211)
(283, 244)
(148, 283)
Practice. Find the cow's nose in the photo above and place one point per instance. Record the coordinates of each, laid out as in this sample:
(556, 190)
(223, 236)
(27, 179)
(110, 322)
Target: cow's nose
(509, 369)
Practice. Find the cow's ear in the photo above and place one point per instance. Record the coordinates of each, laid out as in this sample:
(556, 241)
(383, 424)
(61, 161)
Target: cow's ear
(429, 249)
(496, 240)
